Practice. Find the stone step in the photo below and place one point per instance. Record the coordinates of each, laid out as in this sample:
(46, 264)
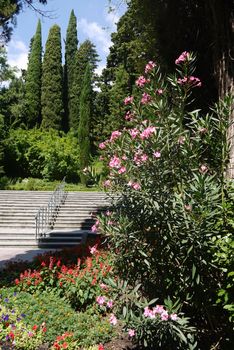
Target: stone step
(73, 221)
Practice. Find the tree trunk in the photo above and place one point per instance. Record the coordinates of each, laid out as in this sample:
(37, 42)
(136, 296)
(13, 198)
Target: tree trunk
(221, 16)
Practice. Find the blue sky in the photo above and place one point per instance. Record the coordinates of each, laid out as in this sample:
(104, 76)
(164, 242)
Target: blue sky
(94, 23)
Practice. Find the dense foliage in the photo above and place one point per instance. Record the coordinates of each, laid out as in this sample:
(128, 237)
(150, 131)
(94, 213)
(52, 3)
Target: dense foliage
(69, 67)
(84, 123)
(43, 154)
(33, 81)
(52, 97)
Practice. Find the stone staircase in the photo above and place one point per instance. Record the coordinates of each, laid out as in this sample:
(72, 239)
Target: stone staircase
(72, 225)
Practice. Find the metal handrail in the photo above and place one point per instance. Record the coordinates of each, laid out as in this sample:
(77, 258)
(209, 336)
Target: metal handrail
(46, 216)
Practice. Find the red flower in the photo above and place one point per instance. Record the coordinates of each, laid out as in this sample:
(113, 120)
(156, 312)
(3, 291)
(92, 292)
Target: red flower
(64, 345)
(17, 281)
(44, 329)
(11, 335)
(101, 347)
(34, 328)
(43, 264)
(56, 346)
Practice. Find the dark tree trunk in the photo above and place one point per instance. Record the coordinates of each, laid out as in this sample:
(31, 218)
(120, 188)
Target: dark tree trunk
(221, 15)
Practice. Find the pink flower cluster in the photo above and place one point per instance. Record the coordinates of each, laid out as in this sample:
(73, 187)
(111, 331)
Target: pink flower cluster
(150, 66)
(128, 100)
(107, 183)
(115, 162)
(93, 250)
(129, 116)
(115, 135)
(135, 185)
(94, 228)
(159, 311)
(146, 98)
(140, 158)
(133, 132)
(113, 319)
(157, 154)
(102, 300)
(147, 132)
(141, 81)
(102, 145)
(193, 81)
(182, 58)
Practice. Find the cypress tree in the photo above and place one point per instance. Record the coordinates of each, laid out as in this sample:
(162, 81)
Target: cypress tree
(52, 96)
(70, 53)
(86, 54)
(84, 122)
(1, 144)
(33, 80)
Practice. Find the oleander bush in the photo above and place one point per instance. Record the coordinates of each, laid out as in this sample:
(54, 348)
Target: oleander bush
(168, 169)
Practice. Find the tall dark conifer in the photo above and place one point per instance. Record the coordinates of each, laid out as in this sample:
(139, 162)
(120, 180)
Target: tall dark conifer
(70, 53)
(52, 97)
(84, 122)
(33, 80)
(86, 54)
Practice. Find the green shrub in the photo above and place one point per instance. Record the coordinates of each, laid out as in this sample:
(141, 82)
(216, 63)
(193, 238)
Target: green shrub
(43, 154)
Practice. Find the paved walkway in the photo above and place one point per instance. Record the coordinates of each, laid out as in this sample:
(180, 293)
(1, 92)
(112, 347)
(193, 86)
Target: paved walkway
(14, 254)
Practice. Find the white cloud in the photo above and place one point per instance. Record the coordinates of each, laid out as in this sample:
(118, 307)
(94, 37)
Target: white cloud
(99, 69)
(95, 33)
(112, 17)
(17, 53)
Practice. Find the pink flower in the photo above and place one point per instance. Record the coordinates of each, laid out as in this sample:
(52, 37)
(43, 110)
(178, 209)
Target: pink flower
(144, 157)
(195, 81)
(159, 309)
(146, 98)
(115, 162)
(124, 157)
(141, 81)
(164, 316)
(113, 319)
(130, 183)
(122, 170)
(102, 145)
(188, 207)
(157, 154)
(192, 81)
(107, 183)
(182, 58)
(128, 100)
(110, 222)
(136, 186)
(150, 65)
(148, 312)
(147, 132)
(129, 116)
(131, 332)
(159, 91)
(203, 130)
(203, 169)
(174, 317)
(115, 134)
(101, 300)
(109, 304)
(93, 249)
(133, 133)
(181, 140)
(94, 228)
(104, 286)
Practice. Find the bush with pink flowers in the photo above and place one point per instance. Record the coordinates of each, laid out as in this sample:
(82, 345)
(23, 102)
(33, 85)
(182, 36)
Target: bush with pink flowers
(168, 169)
